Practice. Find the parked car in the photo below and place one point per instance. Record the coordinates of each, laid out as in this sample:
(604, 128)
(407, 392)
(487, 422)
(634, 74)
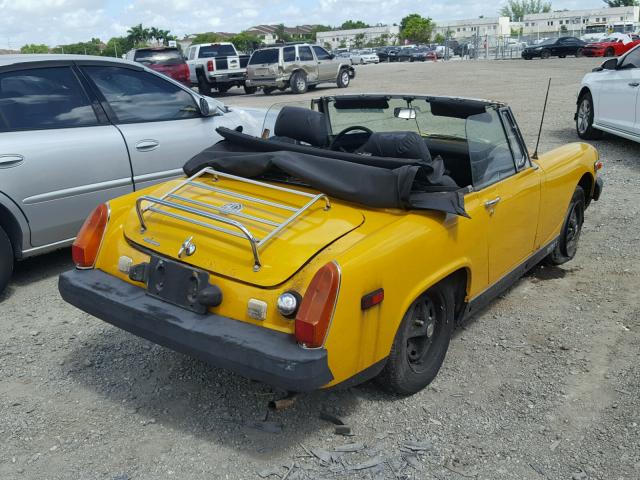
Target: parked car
(388, 54)
(77, 130)
(422, 54)
(361, 57)
(609, 97)
(166, 60)
(217, 67)
(555, 47)
(613, 46)
(348, 246)
(299, 67)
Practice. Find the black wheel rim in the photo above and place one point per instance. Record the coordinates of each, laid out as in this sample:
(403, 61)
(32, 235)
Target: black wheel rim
(425, 325)
(572, 235)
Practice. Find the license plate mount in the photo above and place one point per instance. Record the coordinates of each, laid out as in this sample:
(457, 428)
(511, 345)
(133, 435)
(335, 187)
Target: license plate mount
(177, 283)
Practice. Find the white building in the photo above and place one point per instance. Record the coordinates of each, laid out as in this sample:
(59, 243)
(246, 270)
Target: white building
(347, 38)
(571, 21)
(486, 26)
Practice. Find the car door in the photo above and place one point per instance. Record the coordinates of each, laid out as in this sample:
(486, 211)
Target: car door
(308, 62)
(508, 185)
(617, 94)
(159, 120)
(59, 155)
(327, 69)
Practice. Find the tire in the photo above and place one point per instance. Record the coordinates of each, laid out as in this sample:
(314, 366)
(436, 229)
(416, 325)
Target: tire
(250, 90)
(609, 52)
(527, 58)
(343, 78)
(6, 260)
(545, 54)
(579, 52)
(562, 56)
(584, 119)
(298, 82)
(268, 90)
(567, 245)
(204, 87)
(414, 360)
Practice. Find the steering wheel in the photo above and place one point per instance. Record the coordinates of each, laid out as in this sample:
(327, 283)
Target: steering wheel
(340, 136)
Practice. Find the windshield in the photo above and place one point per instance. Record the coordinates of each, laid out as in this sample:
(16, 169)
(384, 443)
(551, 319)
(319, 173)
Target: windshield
(383, 119)
(159, 56)
(269, 55)
(548, 41)
(212, 51)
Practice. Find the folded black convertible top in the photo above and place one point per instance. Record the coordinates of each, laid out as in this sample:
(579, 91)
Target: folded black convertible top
(367, 180)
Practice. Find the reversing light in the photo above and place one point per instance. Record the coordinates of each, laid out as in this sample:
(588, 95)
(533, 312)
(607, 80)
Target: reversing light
(87, 244)
(288, 304)
(318, 303)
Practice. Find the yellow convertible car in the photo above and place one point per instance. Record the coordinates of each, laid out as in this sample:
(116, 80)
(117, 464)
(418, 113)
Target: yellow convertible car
(346, 244)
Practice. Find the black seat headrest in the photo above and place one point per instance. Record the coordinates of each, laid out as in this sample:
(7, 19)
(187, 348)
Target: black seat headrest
(302, 124)
(408, 145)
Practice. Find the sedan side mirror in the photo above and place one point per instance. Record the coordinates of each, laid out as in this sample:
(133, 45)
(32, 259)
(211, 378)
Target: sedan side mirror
(204, 107)
(332, 56)
(610, 64)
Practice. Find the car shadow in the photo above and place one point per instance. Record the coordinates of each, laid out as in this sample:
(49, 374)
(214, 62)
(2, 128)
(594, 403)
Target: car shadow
(38, 268)
(152, 384)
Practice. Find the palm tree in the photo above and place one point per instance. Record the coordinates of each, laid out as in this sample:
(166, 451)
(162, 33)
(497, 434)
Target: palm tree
(155, 34)
(138, 34)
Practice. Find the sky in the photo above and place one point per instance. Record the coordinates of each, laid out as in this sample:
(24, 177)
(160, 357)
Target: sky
(57, 22)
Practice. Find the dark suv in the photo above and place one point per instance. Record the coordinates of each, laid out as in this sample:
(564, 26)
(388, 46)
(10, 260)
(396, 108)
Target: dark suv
(166, 60)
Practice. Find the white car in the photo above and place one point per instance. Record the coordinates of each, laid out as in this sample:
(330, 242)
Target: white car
(364, 57)
(609, 99)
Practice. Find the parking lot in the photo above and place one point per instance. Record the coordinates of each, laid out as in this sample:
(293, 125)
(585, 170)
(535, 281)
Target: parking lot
(543, 384)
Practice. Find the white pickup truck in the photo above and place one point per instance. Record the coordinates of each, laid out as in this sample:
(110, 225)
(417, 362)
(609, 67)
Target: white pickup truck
(217, 66)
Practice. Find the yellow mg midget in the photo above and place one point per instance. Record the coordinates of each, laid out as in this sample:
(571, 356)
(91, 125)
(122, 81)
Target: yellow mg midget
(345, 244)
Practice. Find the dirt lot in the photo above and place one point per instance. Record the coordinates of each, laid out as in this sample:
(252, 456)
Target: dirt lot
(544, 384)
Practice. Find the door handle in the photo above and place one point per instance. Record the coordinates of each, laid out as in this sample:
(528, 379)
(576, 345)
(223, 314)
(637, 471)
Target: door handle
(634, 84)
(7, 161)
(147, 145)
(492, 203)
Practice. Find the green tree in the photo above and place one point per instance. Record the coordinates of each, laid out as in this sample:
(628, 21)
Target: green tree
(34, 48)
(281, 34)
(416, 28)
(208, 37)
(439, 39)
(138, 34)
(245, 42)
(517, 9)
(117, 46)
(352, 24)
(621, 3)
(358, 41)
(83, 48)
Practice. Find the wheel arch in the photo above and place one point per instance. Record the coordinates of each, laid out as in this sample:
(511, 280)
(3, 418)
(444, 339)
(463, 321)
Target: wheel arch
(584, 90)
(587, 183)
(13, 228)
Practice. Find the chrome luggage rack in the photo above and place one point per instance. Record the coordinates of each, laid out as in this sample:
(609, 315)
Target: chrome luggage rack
(227, 210)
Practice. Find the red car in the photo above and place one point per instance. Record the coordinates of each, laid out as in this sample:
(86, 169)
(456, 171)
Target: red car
(166, 60)
(611, 47)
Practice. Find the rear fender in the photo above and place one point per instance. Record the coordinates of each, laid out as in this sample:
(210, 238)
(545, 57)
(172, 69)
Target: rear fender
(13, 221)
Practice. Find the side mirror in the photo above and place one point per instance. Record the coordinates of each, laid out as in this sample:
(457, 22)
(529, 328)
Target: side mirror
(332, 56)
(610, 64)
(204, 107)
(404, 113)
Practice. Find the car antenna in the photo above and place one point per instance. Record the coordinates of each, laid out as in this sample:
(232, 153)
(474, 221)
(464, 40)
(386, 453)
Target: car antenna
(544, 109)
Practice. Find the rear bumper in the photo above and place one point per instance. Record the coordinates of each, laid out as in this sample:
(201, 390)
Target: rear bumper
(279, 82)
(249, 350)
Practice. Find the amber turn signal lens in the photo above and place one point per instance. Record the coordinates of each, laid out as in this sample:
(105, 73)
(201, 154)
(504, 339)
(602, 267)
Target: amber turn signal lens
(85, 248)
(598, 165)
(318, 303)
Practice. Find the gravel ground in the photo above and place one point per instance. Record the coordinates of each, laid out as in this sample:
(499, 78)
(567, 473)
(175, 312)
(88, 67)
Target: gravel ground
(544, 384)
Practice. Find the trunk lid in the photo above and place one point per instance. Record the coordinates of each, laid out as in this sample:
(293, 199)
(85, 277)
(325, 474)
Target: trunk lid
(261, 209)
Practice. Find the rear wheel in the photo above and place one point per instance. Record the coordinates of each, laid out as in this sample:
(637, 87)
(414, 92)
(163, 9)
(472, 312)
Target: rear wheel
(268, 90)
(562, 56)
(579, 52)
(343, 78)
(584, 119)
(545, 54)
(298, 82)
(6, 260)
(567, 245)
(204, 87)
(250, 90)
(421, 341)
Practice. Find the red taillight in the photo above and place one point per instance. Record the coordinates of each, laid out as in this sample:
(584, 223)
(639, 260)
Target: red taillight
(185, 72)
(210, 66)
(316, 310)
(85, 248)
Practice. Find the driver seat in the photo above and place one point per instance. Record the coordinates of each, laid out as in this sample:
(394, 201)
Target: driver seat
(410, 146)
(301, 125)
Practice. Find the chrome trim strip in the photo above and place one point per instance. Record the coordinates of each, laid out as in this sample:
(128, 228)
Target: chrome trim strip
(73, 191)
(62, 243)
